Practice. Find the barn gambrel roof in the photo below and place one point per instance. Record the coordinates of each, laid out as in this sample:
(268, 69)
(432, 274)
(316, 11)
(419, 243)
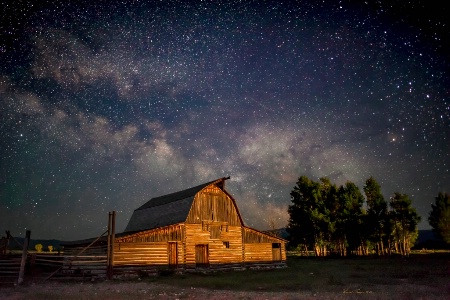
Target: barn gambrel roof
(168, 209)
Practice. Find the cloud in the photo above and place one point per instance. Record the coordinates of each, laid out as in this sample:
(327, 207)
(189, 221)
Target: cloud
(259, 214)
(65, 58)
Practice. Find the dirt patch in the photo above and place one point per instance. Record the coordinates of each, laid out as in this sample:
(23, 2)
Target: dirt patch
(131, 290)
(149, 290)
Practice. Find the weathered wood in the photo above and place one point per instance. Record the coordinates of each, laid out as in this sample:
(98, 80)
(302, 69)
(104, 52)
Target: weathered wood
(111, 239)
(108, 251)
(163, 234)
(75, 256)
(215, 205)
(24, 256)
(113, 236)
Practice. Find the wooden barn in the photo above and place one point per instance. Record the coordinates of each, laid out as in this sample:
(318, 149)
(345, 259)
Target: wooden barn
(194, 228)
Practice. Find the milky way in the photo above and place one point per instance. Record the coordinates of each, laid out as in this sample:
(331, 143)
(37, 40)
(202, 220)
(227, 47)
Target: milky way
(106, 105)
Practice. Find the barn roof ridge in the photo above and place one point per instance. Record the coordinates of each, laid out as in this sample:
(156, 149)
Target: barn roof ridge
(175, 196)
(167, 209)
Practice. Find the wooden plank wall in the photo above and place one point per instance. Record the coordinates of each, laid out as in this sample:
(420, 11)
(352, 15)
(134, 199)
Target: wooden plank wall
(253, 238)
(149, 247)
(163, 234)
(258, 252)
(155, 253)
(214, 205)
(218, 253)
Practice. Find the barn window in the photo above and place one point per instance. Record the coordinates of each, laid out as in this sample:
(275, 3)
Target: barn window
(224, 228)
(226, 244)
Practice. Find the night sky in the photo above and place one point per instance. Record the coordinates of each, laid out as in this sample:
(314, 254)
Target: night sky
(106, 104)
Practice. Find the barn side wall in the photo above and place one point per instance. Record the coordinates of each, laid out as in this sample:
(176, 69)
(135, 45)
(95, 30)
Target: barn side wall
(150, 247)
(256, 253)
(262, 248)
(224, 246)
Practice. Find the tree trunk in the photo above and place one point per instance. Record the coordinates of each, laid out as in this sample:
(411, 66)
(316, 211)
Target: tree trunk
(317, 250)
(306, 250)
(381, 246)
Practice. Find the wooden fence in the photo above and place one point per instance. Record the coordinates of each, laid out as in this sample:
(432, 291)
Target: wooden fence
(10, 268)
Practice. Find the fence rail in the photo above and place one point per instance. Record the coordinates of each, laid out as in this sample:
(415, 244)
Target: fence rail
(9, 268)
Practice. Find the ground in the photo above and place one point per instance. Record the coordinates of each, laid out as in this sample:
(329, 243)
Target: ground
(420, 276)
(151, 290)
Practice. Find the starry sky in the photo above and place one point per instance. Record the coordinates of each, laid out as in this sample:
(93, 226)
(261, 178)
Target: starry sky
(106, 104)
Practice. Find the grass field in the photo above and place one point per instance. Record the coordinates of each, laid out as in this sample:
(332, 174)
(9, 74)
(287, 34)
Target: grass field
(358, 275)
(420, 276)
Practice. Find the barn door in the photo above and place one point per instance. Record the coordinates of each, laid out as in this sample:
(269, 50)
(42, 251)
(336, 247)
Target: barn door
(276, 251)
(173, 255)
(201, 255)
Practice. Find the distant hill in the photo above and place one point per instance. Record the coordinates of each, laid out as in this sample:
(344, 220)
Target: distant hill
(426, 235)
(428, 240)
(45, 243)
(280, 232)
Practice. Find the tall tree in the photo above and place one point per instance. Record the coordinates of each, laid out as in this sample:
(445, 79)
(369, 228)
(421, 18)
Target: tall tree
(351, 217)
(377, 217)
(329, 209)
(439, 217)
(309, 217)
(404, 220)
(300, 226)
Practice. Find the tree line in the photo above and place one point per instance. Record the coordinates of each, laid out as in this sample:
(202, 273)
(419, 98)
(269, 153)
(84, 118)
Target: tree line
(339, 220)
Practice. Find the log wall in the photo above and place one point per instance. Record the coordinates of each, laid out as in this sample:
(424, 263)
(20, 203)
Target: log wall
(163, 234)
(230, 236)
(149, 247)
(260, 252)
(149, 253)
(258, 246)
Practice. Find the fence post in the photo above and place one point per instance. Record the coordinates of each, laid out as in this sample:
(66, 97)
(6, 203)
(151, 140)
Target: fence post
(111, 238)
(24, 257)
(108, 249)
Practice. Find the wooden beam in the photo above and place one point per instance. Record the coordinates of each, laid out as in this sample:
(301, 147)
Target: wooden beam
(24, 257)
(113, 236)
(108, 249)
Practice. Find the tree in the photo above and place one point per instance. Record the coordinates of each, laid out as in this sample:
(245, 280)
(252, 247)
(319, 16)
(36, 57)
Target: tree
(351, 218)
(404, 220)
(307, 216)
(300, 226)
(50, 248)
(377, 217)
(331, 240)
(313, 215)
(38, 247)
(439, 217)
